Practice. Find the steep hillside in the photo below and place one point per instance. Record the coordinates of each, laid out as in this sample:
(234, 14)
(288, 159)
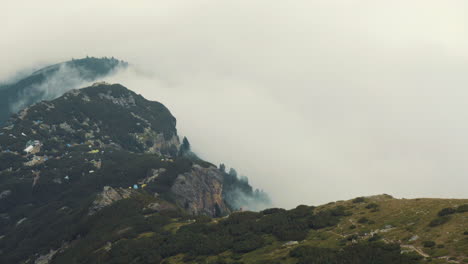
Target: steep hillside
(376, 229)
(63, 161)
(53, 81)
(362, 231)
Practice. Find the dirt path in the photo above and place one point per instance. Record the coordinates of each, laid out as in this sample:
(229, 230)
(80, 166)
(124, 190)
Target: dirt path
(417, 250)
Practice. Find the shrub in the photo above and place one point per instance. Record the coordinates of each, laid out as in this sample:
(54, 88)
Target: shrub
(248, 243)
(372, 206)
(363, 253)
(359, 200)
(363, 220)
(375, 237)
(462, 208)
(273, 211)
(322, 219)
(429, 244)
(446, 211)
(439, 221)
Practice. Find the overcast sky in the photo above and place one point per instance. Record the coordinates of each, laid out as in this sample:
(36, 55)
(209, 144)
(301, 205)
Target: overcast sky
(314, 100)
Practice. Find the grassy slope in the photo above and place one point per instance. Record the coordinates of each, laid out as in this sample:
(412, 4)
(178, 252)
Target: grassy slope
(408, 218)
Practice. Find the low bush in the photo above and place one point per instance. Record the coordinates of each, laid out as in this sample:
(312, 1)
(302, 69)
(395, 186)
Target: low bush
(359, 200)
(363, 220)
(439, 221)
(372, 206)
(462, 208)
(429, 244)
(446, 211)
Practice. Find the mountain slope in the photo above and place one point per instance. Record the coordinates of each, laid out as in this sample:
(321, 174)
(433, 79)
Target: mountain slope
(53, 81)
(336, 233)
(99, 175)
(333, 233)
(63, 161)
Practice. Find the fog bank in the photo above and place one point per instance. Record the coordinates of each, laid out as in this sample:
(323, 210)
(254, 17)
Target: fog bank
(312, 100)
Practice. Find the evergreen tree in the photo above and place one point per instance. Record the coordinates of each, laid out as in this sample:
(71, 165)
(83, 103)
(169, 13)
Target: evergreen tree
(233, 172)
(222, 168)
(185, 147)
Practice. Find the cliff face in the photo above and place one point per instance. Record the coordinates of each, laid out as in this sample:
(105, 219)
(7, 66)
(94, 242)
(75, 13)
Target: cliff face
(200, 191)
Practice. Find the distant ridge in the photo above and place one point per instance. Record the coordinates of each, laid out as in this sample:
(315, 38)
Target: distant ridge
(53, 81)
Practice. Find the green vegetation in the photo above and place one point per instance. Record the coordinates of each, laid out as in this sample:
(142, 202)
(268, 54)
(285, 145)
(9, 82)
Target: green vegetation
(447, 211)
(429, 244)
(363, 253)
(241, 233)
(439, 221)
(359, 200)
(104, 137)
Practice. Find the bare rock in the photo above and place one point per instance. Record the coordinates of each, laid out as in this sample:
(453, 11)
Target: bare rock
(159, 206)
(107, 197)
(45, 259)
(21, 221)
(126, 102)
(154, 174)
(5, 194)
(200, 192)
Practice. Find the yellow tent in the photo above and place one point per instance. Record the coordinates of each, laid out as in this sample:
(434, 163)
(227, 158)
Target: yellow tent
(94, 151)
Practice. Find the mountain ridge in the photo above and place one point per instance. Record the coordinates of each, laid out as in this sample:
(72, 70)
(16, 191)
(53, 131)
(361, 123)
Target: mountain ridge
(99, 175)
(65, 160)
(52, 81)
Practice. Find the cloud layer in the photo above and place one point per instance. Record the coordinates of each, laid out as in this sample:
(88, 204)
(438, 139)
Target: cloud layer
(313, 100)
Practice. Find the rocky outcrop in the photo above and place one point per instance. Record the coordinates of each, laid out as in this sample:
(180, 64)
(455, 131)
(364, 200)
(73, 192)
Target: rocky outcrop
(153, 175)
(159, 206)
(107, 197)
(159, 143)
(200, 191)
(124, 101)
(46, 258)
(5, 194)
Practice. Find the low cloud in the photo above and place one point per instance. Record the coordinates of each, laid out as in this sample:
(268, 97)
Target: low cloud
(313, 100)
(63, 80)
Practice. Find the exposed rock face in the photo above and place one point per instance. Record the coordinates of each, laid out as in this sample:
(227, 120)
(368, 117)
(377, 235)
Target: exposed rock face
(153, 175)
(162, 145)
(124, 101)
(159, 206)
(200, 191)
(45, 259)
(5, 194)
(107, 197)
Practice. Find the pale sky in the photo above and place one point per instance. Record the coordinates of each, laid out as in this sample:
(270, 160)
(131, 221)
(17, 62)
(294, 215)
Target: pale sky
(313, 100)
